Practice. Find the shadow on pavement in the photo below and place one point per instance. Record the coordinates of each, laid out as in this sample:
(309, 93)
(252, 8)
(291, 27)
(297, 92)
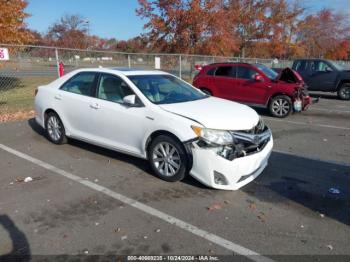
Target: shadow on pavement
(305, 182)
(287, 179)
(322, 95)
(141, 164)
(20, 245)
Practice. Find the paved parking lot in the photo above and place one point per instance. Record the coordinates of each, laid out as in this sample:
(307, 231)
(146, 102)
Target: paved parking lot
(88, 200)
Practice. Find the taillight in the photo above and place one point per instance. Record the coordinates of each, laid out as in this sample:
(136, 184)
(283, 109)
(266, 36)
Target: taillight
(36, 91)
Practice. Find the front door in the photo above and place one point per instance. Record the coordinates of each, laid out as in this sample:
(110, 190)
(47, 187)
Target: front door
(116, 124)
(321, 76)
(250, 91)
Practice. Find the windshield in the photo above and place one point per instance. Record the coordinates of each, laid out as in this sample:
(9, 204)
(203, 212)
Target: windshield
(166, 89)
(336, 65)
(272, 74)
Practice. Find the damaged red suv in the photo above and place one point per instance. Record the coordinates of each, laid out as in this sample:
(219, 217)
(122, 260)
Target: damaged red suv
(256, 85)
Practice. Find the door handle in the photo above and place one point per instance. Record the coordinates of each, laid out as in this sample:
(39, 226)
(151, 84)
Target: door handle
(95, 106)
(58, 97)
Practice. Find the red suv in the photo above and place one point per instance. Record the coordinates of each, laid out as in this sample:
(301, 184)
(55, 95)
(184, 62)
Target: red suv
(256, 85)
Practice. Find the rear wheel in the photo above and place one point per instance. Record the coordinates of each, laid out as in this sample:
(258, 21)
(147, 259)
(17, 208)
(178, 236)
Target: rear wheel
(168, 158)
(280, 106)
(344, 92)
(55, 131)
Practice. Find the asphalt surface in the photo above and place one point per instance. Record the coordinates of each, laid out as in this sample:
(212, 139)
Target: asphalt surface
(288, 210)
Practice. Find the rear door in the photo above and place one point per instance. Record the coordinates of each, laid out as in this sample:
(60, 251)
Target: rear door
(224, 83)
(249, 90)
(74, 101)
(322, 76)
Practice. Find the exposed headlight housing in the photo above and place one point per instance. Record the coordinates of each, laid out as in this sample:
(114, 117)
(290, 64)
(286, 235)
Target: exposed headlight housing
(213, 136)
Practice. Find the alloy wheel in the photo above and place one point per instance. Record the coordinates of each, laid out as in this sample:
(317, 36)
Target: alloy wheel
(166, 159)
(345, 92)
(54, 128)
(280, 107)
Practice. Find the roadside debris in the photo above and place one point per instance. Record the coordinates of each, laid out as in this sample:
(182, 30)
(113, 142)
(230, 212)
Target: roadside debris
(28, 179)
(96, 180)
(215, 206)
(330, 247)
(325, 139)
(117, 230)
(96, 224)
(334, 190)
(302, 226)
(145, 237)
(322, 215)
(124, 237)
(86, 251)
(252, 206)
(157, 230)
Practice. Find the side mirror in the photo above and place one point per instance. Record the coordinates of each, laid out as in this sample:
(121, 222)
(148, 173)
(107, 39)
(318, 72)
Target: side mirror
(258, 78)
(130, 100)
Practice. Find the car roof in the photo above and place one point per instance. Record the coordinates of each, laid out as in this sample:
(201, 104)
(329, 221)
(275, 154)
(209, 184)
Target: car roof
(122, 71)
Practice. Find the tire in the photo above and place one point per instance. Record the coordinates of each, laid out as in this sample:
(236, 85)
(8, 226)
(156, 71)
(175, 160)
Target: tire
(168, 158)
(280, 106)
(344, 92)
(54, 129)
(206, 91)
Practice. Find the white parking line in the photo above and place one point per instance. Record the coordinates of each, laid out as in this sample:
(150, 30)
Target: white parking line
(146, 209)
(306, 124)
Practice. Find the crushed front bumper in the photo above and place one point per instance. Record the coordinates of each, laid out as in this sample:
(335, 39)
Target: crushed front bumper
(208, 165)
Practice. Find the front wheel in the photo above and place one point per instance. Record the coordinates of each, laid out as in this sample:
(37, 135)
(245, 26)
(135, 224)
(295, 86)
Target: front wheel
(55, 131)
(344, 92)
(168, 158)
(280, 106)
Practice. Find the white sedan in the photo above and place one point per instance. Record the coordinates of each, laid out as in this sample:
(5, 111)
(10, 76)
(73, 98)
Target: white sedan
(157, 116)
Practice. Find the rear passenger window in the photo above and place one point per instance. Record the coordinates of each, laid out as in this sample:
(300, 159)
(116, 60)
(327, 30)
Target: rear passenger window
(227, 71)
(211, 71)
(245, 72)
(82, 84)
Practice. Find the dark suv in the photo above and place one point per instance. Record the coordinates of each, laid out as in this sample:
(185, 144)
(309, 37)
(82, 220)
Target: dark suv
(324, 75)
(256, 85)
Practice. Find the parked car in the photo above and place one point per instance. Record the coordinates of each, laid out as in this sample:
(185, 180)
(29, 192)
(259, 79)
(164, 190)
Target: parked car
(157, 116)
(256, 85)
(324, 75)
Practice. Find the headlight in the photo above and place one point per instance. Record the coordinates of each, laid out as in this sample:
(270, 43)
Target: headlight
(219, 137)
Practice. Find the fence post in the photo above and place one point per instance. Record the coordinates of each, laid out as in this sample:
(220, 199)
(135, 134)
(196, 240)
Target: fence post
(129, 61)
(57, 62)
(180, 67)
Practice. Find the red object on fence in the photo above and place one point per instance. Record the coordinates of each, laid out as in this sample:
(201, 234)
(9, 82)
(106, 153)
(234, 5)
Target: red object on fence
(61, 69)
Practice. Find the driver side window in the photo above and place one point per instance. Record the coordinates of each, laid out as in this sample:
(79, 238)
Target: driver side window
(113, 89)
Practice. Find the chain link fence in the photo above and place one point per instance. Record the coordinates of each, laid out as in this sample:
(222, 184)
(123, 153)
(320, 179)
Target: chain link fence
(31, 66)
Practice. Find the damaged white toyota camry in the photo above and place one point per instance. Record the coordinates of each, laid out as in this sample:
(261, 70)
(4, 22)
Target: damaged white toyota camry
(157, 116)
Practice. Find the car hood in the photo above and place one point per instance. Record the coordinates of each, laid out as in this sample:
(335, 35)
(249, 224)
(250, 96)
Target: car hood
(288, 75)
(216, 113)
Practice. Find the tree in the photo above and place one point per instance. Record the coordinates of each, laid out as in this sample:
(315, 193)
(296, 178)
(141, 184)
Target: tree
(187, 26)
(70, 31)
(323, 32)
(13, 29)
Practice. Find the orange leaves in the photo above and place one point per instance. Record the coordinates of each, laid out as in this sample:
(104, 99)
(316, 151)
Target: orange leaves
(12, 27)
(193, 26)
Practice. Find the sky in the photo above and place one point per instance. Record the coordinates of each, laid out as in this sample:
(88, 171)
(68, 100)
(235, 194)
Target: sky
(117, 18)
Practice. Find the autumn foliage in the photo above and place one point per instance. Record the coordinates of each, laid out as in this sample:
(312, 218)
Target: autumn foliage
(247, 28)
(253, 28)
(12, 26)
